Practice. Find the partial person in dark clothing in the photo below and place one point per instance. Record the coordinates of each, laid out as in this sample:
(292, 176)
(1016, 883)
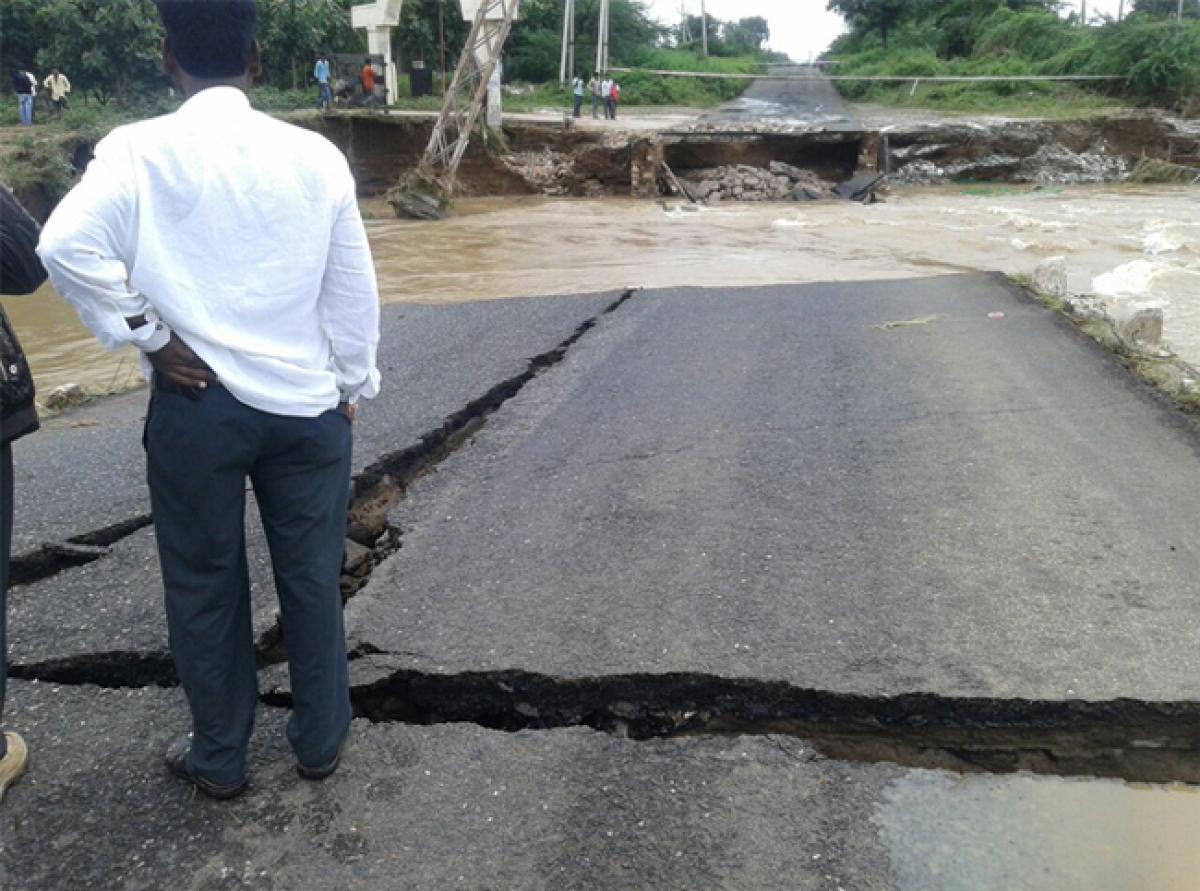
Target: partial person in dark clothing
(22, 84)
(20, 273)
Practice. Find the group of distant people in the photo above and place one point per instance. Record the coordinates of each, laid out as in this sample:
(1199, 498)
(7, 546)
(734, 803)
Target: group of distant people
(603, 90)
(326, 87)
(25, 85)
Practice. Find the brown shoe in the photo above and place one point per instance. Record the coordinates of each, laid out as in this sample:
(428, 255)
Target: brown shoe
(177, 763)
(12, 765)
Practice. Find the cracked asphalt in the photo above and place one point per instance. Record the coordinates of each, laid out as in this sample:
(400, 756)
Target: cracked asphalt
(769, 484)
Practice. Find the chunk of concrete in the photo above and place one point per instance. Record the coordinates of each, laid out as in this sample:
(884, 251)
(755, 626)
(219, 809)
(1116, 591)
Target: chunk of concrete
(1139, 323)
(64, 397)
(1050, 277)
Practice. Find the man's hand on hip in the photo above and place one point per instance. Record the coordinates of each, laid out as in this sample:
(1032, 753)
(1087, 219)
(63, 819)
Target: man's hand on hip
(178, 364)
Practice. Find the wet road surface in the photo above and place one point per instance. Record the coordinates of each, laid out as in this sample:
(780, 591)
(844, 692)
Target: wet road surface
(818, 492)
(780, 488)
(811, 102)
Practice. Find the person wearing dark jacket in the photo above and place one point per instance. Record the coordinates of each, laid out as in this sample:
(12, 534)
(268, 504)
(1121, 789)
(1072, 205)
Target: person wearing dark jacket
(20, 273)
(22, 83)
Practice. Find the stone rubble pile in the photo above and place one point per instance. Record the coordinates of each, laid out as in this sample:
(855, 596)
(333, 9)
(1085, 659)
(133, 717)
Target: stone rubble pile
(1055, 165)
(741, 182)
(1052, 164)
(547, 171)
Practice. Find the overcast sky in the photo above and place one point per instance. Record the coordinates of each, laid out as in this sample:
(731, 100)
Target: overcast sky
(798, 27)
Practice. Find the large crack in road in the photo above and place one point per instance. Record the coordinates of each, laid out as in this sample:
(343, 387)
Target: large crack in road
(375, 491)
(1137, 740)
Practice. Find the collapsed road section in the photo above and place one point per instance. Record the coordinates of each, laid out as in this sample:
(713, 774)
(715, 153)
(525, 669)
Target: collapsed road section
(557, 159)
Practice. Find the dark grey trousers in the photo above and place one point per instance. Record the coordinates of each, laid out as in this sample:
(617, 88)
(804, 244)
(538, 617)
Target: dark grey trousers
(6, 525)
(201, 448)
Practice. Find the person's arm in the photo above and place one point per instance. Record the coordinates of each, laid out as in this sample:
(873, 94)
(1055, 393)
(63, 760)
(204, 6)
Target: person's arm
(349, 300)
(21, 272)
(85, 245)
(85, 242)
(66, 84)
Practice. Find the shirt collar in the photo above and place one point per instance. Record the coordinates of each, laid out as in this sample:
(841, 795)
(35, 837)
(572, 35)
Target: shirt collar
(216, 100)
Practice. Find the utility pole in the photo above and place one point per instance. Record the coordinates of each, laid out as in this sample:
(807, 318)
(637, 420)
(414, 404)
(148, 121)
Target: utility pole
(1083, 14)
(704, 28)
(568, 20)
(602, 38)
(1179, 13)
(442, 44)
(1121, 12)
(571, 42)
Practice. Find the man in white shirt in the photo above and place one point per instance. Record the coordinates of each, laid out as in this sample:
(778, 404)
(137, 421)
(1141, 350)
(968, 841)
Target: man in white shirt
(59, 87)
(606, 95)
(228, 247)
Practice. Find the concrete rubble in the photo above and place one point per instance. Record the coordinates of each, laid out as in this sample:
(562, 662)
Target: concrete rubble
(742, 182)
(1050, 277)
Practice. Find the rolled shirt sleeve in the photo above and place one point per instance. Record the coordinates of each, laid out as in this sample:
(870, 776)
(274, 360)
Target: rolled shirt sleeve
(349, 301)
(86, 246)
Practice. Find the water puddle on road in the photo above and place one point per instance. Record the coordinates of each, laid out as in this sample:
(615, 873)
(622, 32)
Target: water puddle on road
(947, 832)
(1130, 243)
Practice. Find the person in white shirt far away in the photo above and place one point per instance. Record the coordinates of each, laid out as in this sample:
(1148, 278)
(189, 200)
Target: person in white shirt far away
(577, 95)
(59, 87)
(228, 247)
(606, 95)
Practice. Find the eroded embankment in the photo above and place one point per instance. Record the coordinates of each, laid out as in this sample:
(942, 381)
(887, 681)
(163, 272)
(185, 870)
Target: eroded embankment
(735, 162)
(724, 161)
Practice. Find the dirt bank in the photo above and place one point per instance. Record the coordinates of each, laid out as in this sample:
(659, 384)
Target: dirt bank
(556, 158)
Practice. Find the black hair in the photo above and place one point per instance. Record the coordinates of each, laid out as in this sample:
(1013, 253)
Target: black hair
(210, 38)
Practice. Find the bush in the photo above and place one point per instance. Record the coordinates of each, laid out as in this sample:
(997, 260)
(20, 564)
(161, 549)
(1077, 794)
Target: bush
(41, 165)
(1158, 60)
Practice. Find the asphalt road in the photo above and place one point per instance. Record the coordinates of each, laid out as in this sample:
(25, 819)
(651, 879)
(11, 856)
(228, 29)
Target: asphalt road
(868, 488)
(86, 469)
(813, 102)
(773, 483)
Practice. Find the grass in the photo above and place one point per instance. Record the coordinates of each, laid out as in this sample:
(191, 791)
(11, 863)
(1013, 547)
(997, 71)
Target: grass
(1057, 101)
(39, 164)
(1152, 170)
(1156, 62)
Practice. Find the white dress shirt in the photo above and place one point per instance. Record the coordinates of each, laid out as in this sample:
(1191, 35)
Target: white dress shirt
(239, 232)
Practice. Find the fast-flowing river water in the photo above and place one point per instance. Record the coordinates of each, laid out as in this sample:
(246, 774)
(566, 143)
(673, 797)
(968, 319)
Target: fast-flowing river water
(1125, 243)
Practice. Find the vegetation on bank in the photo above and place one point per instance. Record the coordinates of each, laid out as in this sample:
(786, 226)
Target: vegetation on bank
(110, 49)
(1156, 57)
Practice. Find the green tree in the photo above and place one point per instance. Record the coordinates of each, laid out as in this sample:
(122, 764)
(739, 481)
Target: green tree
(293, 32)
(873, 15)
(421, 29)
(109, 48)
(746, 36)
(1191, 8)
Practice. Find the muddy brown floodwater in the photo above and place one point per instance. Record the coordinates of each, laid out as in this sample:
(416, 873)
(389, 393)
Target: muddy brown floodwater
(1126, 243)
(951, 833)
